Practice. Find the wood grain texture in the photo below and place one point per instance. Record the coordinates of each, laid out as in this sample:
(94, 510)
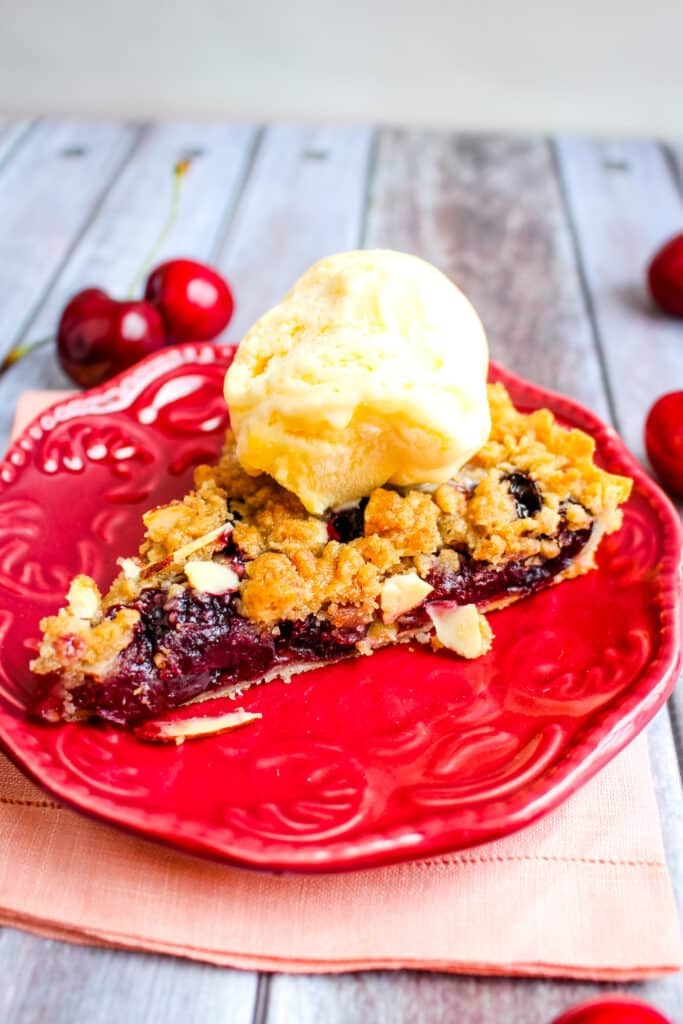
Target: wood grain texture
(304, 199)
(487, 210)
(45, 981)
(409, 997)
(49, 191)
(111, 249)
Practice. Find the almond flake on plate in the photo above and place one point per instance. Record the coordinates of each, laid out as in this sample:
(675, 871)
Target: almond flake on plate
(180, 729)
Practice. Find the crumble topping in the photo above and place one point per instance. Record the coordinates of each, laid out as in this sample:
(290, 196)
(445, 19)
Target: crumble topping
(290, 565)
(172, 526)
(409, 522)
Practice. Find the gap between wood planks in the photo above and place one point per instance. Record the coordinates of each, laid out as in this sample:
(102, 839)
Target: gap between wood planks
(582, 276)
(229, 218)
(12, 134)
(261, 999)
(673, 153)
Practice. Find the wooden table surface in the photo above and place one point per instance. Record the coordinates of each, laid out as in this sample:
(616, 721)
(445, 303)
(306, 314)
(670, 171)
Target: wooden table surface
(549, 237)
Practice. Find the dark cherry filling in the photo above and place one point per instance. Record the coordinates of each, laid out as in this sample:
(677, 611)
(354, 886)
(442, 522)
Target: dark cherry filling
(347, 524)
(192, 643)
(478, 582)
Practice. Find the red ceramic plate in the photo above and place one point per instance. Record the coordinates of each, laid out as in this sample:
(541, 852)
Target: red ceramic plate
(380, 759)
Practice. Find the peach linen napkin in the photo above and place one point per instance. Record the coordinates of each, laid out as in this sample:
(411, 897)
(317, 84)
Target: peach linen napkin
(582, 893)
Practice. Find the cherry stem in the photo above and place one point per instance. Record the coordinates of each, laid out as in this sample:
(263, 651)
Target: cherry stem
(18, 352)
(179, 172)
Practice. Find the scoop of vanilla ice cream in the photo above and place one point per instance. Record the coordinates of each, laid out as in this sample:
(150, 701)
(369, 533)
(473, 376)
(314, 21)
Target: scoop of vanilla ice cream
(372, 370)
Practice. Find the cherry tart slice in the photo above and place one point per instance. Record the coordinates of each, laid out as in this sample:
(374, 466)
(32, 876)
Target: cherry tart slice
(237, 584)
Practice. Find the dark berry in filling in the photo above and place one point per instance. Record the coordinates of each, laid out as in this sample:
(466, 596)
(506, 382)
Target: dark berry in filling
(525, 493)
(184, 645)
(348, 524)
(314, 639)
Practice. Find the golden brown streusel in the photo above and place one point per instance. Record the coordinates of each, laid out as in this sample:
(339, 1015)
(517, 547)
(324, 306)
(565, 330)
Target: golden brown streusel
(409, 522)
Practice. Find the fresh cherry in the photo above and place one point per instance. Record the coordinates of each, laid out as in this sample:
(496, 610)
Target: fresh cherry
(99, 336)
(665, 276)
(612, 1010)
(664, 440)
(195, 302)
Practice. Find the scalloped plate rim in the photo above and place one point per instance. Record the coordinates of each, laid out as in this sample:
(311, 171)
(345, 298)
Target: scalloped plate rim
(581, 761)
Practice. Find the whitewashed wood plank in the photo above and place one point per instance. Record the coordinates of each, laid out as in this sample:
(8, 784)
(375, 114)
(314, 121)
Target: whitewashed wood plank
(409, 997)
(304, 199)
(11, 133)
(112, 248)
(487, 211)
(63, 984)
(48, 192)
(625, 202)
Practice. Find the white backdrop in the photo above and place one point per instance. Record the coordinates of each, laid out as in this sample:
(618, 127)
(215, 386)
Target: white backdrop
(587, 65)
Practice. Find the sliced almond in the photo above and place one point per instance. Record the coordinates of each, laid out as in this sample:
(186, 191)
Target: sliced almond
(194, 545)
(211, 577)
(130, 568)
(181, 729)
(84, 598)
(461, 628)
(400, 594)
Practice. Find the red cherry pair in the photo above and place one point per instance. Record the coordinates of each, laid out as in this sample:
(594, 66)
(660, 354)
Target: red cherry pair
(98, 336)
